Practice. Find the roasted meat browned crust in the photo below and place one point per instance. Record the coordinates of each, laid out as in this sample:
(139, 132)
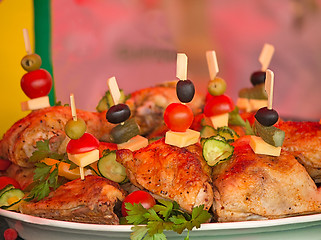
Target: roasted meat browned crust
(19, 142)
(88, 201)
(174, 173)
(303, 140)
(251, 186)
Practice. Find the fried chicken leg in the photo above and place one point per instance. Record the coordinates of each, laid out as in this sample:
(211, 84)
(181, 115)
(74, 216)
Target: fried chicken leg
(250, 186)
(174, 173)
(91, 200)
(19, 142)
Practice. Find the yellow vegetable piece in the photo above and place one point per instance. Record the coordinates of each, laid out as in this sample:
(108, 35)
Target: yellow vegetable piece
(64, 171)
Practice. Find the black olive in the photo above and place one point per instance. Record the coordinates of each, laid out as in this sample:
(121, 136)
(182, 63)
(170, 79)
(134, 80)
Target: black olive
(185, 90)
(267, 117)
(258, 78)
(118, 113)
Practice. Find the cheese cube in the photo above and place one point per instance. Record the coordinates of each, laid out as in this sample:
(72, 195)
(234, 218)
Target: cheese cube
(134, 143)
(259, 146)
(243, 104)
(84, 159)
(220, 120)
(256, 104)
(182, 139)
(36, 103)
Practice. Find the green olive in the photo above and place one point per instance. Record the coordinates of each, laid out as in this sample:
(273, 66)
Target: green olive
(217, 86)
(75, 129)
(31, 62)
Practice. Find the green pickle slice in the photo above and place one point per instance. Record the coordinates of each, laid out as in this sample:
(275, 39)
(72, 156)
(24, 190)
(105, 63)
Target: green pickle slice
(109, 168)
(256, 92)
(271, 135)
(215, 150)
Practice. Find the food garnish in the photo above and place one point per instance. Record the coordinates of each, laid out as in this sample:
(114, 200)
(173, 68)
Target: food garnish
(107, 101)
(165, 215)
(270, 138)
(37, 82)
(178, 117)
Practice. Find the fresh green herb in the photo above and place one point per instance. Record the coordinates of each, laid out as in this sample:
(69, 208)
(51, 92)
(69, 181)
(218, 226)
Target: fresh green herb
(43, 151)
(165, 215)
(44, 180)
(248, 128)
(234, 118)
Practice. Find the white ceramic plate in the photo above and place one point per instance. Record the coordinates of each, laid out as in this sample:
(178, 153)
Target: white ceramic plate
(35, 228)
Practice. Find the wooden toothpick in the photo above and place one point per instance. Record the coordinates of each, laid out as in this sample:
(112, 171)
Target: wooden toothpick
(27, 41)
(113, 89)
(269, 85)
(73, 107)
(181, 66)
(212, 64)
(266, 56)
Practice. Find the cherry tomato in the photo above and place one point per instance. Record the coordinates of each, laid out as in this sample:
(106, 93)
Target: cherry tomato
(4, 164)
(84, 144)
(36, 83)
(178, 117)
(218, 105)
(4, 181)
(142, 197)
(10, 234)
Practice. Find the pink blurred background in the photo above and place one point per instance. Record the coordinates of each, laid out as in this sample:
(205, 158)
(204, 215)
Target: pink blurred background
(137, 41)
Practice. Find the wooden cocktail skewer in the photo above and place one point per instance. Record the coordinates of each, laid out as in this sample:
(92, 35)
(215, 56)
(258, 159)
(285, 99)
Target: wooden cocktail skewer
(212, 64)
(181, 66)
(27, 41)
(74, 118)
(269, 85)
(114, 90)
(266, 56)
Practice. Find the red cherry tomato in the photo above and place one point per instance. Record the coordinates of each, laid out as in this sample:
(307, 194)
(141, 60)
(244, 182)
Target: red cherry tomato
(10, 234)
(104, 145)
(36, 83)
(4, 181)
(4, 164)
(178, 117)
(218, 105)
(84, 144)
(142, 197)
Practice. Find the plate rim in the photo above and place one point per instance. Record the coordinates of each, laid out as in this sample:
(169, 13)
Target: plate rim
(127, 228)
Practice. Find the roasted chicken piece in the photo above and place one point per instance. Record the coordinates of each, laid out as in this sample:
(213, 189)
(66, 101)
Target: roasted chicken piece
(91, 200)
(174, 173)
(19, 142)
(303, 141)
(148, 105)
(250, 186)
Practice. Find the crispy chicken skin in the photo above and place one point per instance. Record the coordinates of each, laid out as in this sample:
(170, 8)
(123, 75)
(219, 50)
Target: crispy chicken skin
(148, 105)
(19, 142)
(303, 141)
(91, 200)
(174, 173)
(250, 186)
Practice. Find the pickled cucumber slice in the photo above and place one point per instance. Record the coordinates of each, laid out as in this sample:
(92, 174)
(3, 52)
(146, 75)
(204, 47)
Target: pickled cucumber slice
(270, 135)
(227, 133)
(256, 92)
(109, 168)
(216, 150)
(11, 197)
(123, 132)
(107, 101)
(208, 131)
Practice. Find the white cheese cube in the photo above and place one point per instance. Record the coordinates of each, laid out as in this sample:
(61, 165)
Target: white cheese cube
(84, 159)
(256, 104)
(220, 120)
(36, 103)
(182, 139)
(134, 143)
(259, 146)
(243, 104)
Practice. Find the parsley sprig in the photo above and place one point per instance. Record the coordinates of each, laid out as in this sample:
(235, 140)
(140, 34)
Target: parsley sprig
(165, 215)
